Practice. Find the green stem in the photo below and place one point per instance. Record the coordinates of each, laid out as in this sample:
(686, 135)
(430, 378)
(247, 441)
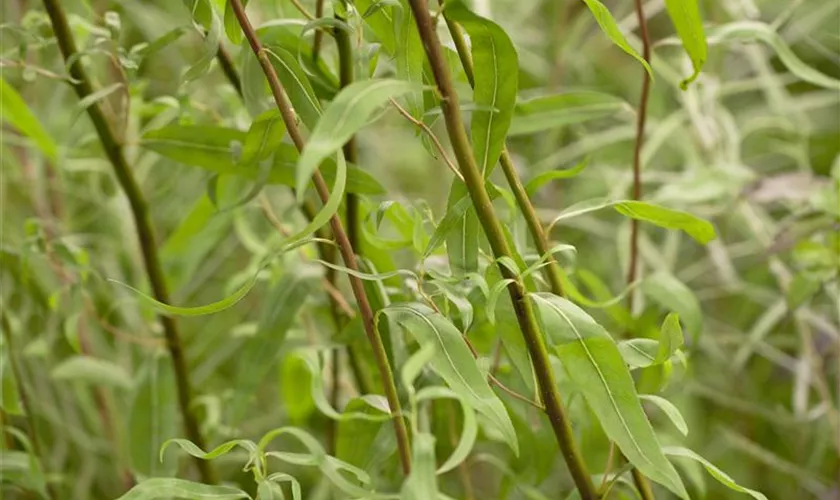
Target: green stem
(229, 69)
(17, 370)
(145, 234)
(347, 254)
(552, 269)
(493, 229)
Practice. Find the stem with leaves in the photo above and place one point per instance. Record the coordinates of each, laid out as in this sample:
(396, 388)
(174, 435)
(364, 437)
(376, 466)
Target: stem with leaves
(552, 269)
(493, 229)
(145, 234)
(346, 249)
(37, 449)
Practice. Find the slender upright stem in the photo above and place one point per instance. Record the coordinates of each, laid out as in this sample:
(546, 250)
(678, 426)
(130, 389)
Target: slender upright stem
(143, 226)
(641, 118)
(347, 254)
(23, 393)
(642, 484)
(552, 269)
(493, 229)
(229, 68)
(319, 35)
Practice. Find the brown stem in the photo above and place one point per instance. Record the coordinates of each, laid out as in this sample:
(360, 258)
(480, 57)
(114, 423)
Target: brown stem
(641, 118)
(642, 484)
(143, 226)
(341, 238)
(319, 34)
(493, 229)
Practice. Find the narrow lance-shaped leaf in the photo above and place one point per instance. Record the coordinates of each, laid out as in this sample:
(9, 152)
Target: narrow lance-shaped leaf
(169, 488)
(668, 408)
(610, 28)
(212, 148)
(152, 418)
(349, 112)
(496, 67)
(685, 14)
(18, 114)
(719, 475)
(205, 19)
(462, 240)
(592, 361)
(470, 426)
(232, 28)
(670, 338)
(454, 362)
(92, 371)
(699, 229)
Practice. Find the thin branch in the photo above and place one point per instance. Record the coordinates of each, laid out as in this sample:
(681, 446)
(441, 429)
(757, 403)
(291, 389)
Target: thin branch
(229, 69)
(143, 226)
(642, 484)
(431, 135)
(493, 230)
(345, 248)
(641, 118)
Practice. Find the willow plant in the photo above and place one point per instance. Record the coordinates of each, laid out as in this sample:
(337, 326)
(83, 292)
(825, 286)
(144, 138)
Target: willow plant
(460, 348)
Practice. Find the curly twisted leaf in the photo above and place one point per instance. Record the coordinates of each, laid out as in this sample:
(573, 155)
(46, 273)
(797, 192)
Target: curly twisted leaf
(496, 82)
(421, 484)
(594, 364)
(454, 362)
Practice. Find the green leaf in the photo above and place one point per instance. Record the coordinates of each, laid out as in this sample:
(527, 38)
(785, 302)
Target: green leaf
(222, 449)
(699, 229)
(801, 289)
(421, 484)
(719, 475)
(360, 442)
(454, 362)
(409, 59)
(671, 293)
(296, 84)
(92, 371)
(295, 385)
(668, 408)
(18, 114)
(153, 417)
(232, 28)
(610, 28)
(9, 395)
(468, 433)
(346, 114)
(592, 361)
(230, 300)
(670, 338)
(462, 236)
(212, 148)
(206, 19)
(754, 30)
(540, 180)
(549, 112)
(263, 138)
(169, 488)
(496, 83)
(685, 15)
(379, 15)
(259, 354)
(639, 353)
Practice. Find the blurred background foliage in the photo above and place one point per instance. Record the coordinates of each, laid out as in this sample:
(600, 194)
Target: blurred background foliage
(750, 145)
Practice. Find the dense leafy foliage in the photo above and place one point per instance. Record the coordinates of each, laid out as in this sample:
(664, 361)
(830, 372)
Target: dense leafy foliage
(250, 250)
